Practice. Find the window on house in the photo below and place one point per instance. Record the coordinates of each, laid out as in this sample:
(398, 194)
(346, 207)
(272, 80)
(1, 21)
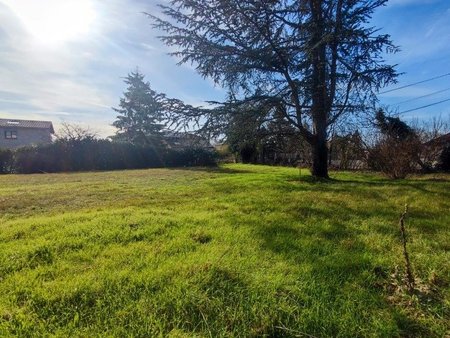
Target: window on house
(11, 134)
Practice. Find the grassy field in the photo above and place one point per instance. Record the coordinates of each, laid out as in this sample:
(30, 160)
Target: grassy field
(235, 251)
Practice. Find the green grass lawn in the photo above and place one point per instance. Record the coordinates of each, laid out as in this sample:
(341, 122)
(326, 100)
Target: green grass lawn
(236, 251)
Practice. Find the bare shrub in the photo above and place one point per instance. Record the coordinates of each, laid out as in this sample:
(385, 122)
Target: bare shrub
(395, 158)
(75, 132)
(396, 152)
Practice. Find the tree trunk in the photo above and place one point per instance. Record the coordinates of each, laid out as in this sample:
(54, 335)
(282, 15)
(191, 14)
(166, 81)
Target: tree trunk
(319, 109)
(320, 154)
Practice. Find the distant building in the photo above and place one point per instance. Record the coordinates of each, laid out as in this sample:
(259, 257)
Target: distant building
(439, 142)
(437, 152)
(19, 133)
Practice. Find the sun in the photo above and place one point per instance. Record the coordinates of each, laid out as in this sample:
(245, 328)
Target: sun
(55, 21)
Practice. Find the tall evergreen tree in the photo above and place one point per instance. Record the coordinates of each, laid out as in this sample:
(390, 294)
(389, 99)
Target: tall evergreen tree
(140, 113)
(316, 60)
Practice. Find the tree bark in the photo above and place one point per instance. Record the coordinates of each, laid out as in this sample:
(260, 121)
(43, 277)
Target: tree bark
(320, 153)
(319, 109)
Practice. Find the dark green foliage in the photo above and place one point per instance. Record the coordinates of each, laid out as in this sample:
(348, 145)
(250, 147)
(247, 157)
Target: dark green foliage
(5, 160)
(244, 133)
(444, 159)
(190, 157)
(92, 154)
(393, 127)
(140, 113)
(85, 155)
(256, 138)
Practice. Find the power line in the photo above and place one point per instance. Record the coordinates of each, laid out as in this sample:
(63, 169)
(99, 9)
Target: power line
(421, 97)
(415, 83)
(428, 105)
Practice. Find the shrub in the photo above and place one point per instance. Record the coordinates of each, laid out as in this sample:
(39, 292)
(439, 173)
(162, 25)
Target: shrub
(397, 152)
(395, 158)
(5, 161)
(191, 157)
(444, 159)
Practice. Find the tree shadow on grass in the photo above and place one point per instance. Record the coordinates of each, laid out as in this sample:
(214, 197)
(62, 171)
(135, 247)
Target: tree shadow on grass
(215, 169)
(430, 187)
(345, 278)
(332, 250)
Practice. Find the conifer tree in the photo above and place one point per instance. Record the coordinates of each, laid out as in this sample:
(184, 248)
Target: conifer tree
(316, 60)
(140, 115)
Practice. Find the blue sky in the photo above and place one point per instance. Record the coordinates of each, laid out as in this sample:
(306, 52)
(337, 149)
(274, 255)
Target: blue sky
(69, 67)
(422, 30)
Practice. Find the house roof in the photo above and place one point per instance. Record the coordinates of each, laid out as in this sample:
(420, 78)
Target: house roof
(27, 124)
(439, 141)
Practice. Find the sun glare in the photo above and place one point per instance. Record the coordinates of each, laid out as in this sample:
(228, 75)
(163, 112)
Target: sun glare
(55, 21)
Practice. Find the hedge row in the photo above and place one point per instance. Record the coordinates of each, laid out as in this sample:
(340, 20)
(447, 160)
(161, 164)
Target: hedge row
(91, 154)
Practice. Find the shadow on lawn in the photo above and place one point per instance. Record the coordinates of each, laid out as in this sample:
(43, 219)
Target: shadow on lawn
(341, 185)
(325, 241)
(216, 169)
(344, 275)
(364, 179)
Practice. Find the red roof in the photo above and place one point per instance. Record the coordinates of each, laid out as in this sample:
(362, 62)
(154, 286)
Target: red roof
(13, 123)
